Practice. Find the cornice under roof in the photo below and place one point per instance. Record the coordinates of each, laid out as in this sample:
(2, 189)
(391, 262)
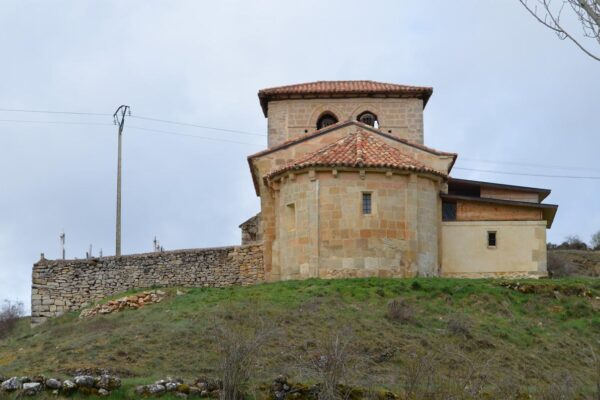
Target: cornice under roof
(342, 89)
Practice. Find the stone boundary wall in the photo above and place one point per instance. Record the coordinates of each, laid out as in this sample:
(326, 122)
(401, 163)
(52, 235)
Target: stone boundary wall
(60, 286)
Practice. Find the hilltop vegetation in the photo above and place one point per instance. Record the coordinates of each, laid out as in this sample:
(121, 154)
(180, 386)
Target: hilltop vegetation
(480, 337)
(563, 263)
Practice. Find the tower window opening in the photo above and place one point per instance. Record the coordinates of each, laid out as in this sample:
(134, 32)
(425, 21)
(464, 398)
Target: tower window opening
(326, 120)
(366, 203)
(368, 118)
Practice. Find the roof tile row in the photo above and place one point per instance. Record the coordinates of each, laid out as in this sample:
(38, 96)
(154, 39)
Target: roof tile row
(359, 149)
(340, 88)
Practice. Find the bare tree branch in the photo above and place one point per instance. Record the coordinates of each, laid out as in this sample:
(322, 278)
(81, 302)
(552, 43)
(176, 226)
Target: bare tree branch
(586, 11)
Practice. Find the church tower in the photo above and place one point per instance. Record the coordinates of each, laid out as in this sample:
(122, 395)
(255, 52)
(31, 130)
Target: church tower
(296, 110)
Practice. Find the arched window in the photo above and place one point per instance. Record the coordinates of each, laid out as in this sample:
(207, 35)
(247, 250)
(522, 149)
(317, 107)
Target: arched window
(326, 119)
(368, 118)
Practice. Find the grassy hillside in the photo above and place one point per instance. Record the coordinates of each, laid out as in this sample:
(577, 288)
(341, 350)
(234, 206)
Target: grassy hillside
(527, 339)
(574, 263)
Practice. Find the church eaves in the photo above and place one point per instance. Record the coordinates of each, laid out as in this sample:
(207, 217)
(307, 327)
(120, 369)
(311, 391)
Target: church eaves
(359, 149)
(337, 126)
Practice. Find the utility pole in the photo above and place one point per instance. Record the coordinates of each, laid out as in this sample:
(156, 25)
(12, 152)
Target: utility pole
(119, 119)
(62, 244)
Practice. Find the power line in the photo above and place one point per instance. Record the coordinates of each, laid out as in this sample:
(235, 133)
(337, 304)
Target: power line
(262, 135)
(166, 121)
(52, 112)
(198, 126)
(131, 127)
(525, 164)
(524, 174)
(189, 135)
(55, 122)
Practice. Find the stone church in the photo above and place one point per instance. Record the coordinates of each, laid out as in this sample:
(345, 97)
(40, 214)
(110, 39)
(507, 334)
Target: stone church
(348, 189)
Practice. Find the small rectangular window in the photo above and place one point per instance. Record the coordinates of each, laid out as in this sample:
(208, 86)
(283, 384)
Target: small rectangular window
(366, 203)
(491, 238)
(448, 211)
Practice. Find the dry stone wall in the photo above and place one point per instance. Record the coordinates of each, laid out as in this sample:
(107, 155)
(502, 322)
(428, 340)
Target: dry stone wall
(60, 286)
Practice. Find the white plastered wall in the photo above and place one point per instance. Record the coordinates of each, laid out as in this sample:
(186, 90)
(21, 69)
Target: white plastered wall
(520, 249)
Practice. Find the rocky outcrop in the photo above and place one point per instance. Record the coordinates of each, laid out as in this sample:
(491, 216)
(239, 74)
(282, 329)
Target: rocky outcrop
(60, 286)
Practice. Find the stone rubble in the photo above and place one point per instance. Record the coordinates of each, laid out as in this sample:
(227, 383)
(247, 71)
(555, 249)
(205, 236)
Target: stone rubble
(12, 384)
(95, 385)
(282, 388)
(32, 388)
(555, 290)
(134, 301)
(202, 387)
(102, 385)
(52, 383)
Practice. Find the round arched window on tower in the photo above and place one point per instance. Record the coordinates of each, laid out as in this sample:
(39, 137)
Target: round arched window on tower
(368, 118)
(326, 119)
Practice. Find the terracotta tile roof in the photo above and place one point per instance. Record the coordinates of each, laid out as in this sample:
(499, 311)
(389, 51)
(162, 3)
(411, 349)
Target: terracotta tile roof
(361, 149)
(341, 89)
(334, 127)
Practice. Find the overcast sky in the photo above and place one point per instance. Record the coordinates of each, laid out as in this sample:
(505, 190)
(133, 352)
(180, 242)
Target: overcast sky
(506, 90)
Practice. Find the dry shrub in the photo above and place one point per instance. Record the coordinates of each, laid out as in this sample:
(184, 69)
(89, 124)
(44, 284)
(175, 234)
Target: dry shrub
(473, 376)
(562, 388)
(400, 311)
(423, 379)
(240, 346)
(334, 364)
(460, 325)
(9, 315)
(558, 267)
(595, 361)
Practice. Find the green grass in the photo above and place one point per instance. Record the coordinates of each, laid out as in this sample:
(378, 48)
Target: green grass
(530, 337)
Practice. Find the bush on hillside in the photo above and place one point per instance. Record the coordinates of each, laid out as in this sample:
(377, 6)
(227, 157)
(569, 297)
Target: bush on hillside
(560, 387)
(423, 376)
(559, 267)
(420, 379)
(334, 363)
(9, 315)
(460, 325)
(571, 243)
(400, 311)
(239, 348)
(596, 366)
